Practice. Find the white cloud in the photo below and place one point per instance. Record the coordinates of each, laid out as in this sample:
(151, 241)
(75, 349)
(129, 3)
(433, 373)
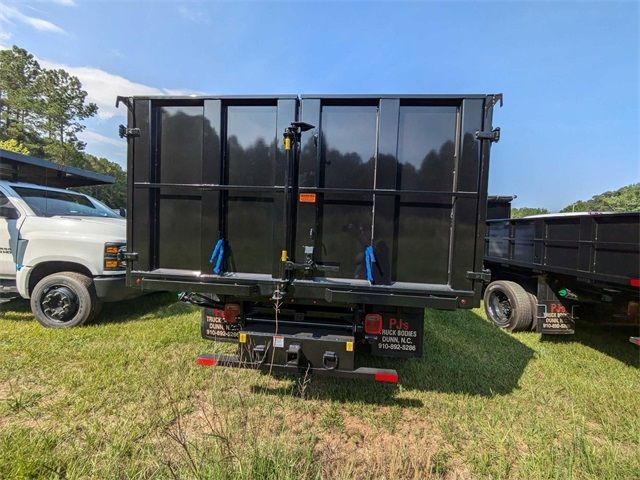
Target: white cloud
(103, 87)
(10, 15)
(195, 16)
(91, 137)
(64, 3)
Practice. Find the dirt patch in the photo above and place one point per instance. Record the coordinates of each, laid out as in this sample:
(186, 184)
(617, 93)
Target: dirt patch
(392, 443)
(365, 448)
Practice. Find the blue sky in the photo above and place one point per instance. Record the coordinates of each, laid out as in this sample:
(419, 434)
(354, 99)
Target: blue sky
(569, 70)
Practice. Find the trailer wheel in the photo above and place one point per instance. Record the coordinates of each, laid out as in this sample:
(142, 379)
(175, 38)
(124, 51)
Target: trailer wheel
(508, 305)
(63, 300)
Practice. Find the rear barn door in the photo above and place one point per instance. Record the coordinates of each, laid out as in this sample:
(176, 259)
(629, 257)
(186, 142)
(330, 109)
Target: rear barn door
(250, 201)
(387, 174)
(214, 172)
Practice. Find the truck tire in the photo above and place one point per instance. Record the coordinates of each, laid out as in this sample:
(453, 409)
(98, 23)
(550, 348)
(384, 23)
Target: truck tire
(508, 306)
(534, 310)
(64, 300)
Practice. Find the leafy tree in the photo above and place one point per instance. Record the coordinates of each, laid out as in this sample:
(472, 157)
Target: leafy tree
(13, 146)
(114, 195)
(19, 72)
(62, 103)
(625, 199)
(527, 211)
(41, 113)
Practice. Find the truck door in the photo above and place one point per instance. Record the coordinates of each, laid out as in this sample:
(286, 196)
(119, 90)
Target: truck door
(8, 237)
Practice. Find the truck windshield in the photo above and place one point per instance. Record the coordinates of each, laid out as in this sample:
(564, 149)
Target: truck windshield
(50, 203)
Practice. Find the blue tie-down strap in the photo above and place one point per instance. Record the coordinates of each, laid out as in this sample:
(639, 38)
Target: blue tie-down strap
(369, 258)
(217, 256)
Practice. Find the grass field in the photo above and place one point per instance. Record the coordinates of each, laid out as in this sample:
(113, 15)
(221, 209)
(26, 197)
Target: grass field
(123, 398)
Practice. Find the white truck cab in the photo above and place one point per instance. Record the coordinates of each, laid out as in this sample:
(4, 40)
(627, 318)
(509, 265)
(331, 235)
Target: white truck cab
(60, 248)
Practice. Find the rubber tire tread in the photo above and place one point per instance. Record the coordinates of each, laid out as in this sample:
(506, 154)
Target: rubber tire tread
(521, 314)
(82, 286)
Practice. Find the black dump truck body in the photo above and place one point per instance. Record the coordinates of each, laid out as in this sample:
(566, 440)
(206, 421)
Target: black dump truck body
(569, 265)
(342, 211)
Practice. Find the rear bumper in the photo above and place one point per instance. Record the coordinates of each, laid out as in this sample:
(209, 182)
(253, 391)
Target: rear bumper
(113, 289)
(363, 373)
(354, 292)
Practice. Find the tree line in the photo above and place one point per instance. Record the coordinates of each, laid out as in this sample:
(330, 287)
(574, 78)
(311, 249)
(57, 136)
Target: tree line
(625, 199)
(41, 114)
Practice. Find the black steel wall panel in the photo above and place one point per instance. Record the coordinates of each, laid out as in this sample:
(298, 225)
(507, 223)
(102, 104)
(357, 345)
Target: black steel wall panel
(595, 247)
(139, 210)
(468, 179)
(211, 226)
(179, 152)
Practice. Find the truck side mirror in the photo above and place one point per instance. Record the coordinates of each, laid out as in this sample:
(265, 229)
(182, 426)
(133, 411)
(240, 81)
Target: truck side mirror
(10, 213)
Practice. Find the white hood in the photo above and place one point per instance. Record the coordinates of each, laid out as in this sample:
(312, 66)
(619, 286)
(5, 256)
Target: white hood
(79, 228)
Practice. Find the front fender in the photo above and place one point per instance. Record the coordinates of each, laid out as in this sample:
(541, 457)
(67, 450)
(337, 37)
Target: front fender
(77, 259)
(23, 272)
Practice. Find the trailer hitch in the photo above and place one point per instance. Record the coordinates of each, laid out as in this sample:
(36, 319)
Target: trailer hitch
(199, 300)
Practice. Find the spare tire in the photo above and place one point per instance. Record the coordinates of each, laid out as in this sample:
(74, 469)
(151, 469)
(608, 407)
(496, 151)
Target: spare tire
(508, 306)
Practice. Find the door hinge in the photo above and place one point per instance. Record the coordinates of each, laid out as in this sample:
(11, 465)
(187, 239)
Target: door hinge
(127, 256)
(492, 136)
(128, 132)
(483, 276)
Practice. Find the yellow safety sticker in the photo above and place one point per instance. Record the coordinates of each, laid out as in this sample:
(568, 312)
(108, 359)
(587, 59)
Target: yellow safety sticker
(287, 143)
(242, 337)
(283, 256)
(349, 346)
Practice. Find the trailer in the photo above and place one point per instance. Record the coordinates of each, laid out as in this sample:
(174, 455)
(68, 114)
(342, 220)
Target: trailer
(548, 271)
(312, 230)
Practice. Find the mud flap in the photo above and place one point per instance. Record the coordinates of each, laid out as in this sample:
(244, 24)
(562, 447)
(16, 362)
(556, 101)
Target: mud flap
(214, 327)
(402, 333)
(556, 314)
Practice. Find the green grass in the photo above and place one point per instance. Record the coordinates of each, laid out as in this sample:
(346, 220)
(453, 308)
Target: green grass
(123, 398)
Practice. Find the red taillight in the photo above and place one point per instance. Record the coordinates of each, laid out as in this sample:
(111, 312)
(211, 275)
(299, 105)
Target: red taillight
(634, 282)
(207, 361)
(386, 377)
(231, 312)
(373, 324)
